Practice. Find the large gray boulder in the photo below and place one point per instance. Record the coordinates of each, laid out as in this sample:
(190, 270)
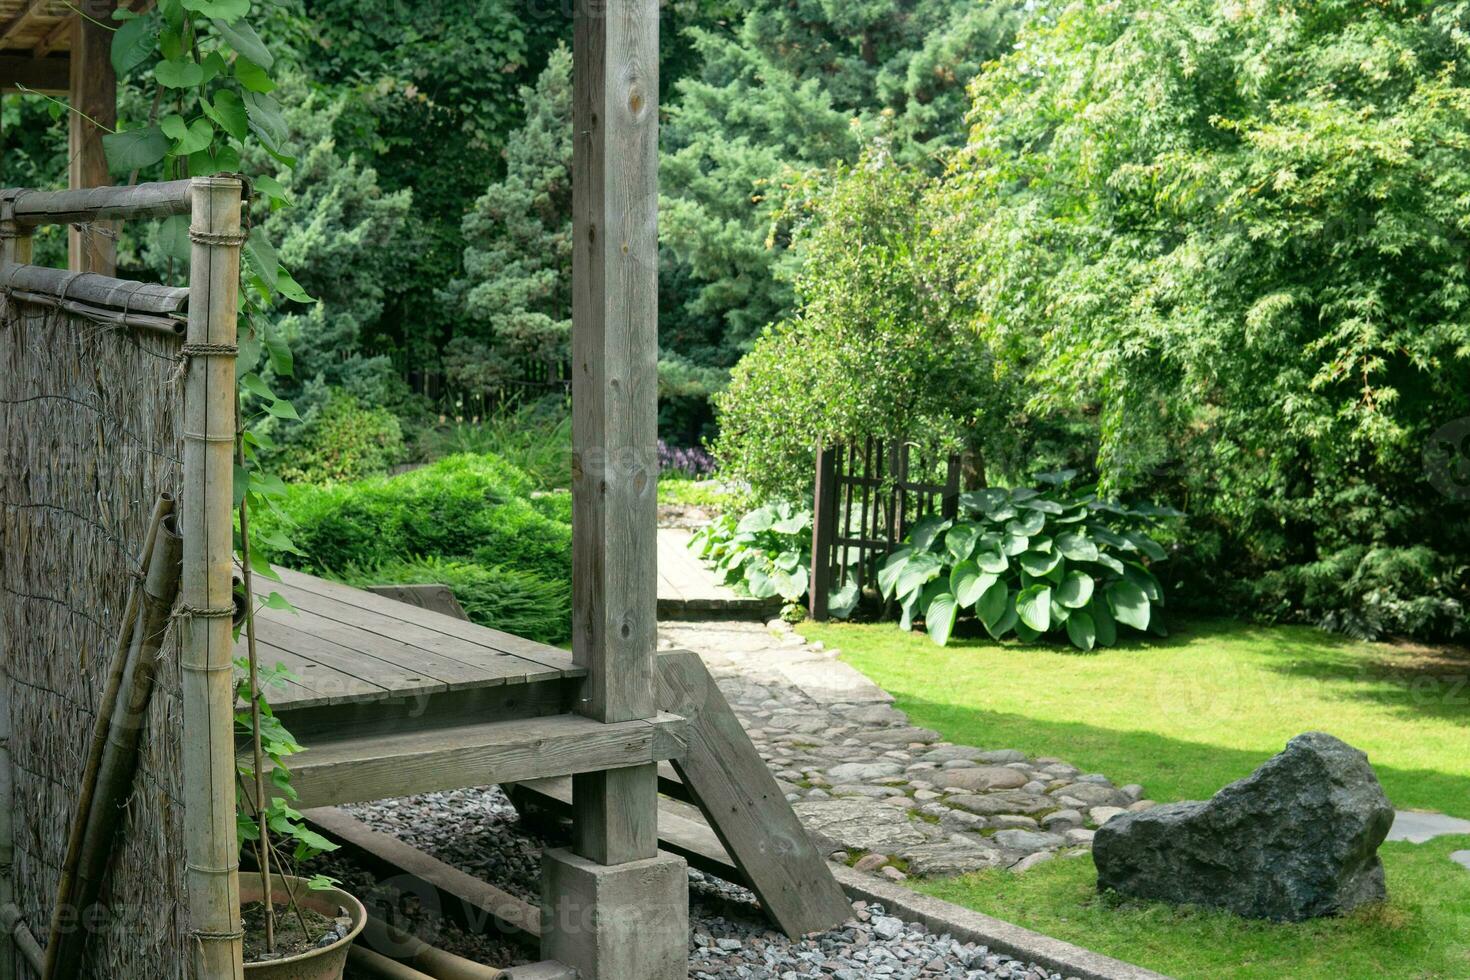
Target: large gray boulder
(1297, 839)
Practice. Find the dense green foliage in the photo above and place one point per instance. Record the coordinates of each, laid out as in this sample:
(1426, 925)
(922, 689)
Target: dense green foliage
(1032, 562)
(500, 596)
(340, 439)
(468, 508)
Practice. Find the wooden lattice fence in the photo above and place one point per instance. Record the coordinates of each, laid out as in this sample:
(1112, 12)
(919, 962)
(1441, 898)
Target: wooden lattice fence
(867, 496)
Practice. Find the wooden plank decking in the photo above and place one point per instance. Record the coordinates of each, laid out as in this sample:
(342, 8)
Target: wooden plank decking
(688, 589)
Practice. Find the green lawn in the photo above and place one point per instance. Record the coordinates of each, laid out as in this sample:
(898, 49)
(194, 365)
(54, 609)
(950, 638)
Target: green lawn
(1185, 716)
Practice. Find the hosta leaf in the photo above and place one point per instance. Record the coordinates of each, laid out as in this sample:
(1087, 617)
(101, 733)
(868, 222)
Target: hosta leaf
(1027, 524)
(1033, 606)
(1044, 506)
(794, 524)
(968, 583)
(1015, 544)
(1107, 537)
(1039, 563)
(1026, 634)
(761, 519)
(919, 571)
(926, 531)
(1145, 580)
(906, 618)
(790, 585)
(1077, 547)
(961, 540)
(1108, 561)
(841, 602)
(759, 583)
(1129, 604)
(992, 561)
(994, 606)
(1076, 590)
(1059, 612)
(892, 569)
(1146, 544)
(939, 618)
(1082, 631)
(983, 501)
(1102, 618)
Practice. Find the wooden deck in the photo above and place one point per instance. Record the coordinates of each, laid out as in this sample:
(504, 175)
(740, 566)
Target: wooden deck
(688, 589)
(394, 700)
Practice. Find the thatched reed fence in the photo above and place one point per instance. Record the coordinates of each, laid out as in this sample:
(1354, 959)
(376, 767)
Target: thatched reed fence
(112, 394)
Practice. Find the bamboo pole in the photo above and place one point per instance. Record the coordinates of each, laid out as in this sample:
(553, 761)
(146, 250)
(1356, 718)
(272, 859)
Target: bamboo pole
(92, 289)
(436, 963)
(15, 246)
(105, 710)
(17, 932)
(157, 200)
(212, 857)
(119, 761)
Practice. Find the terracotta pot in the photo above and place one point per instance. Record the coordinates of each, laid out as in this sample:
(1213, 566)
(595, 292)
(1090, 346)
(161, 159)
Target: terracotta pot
(327, 963)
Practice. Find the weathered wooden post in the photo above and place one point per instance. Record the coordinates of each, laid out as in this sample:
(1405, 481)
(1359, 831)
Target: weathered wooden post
(92, 247)
(208, 590)
(824, 530)
(615, 909)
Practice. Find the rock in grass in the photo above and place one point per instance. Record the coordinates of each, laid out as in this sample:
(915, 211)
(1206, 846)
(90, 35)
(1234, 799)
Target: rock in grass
(1298, 839)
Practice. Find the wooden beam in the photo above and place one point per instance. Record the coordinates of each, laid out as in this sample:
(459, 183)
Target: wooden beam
(615, 404)
(18, 22)
(113, 203)
(49, 76)
(54, 38)
(94, 96)
(380, 767)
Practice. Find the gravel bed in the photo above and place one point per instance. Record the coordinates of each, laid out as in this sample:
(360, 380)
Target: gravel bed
(477, 830)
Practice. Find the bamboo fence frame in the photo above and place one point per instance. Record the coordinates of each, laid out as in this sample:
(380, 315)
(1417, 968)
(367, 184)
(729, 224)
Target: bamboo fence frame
(95, 416)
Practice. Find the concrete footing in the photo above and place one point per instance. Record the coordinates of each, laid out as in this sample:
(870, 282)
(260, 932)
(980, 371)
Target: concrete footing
(622, 922)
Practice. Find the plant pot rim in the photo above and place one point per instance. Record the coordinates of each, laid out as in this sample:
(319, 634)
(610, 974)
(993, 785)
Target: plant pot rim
(354, 907)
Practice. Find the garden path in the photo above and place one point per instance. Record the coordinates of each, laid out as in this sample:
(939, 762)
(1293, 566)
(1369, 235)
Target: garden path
(878, 792)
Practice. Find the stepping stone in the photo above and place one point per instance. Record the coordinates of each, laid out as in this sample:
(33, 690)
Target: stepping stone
(1461, 858)
(1418, 827)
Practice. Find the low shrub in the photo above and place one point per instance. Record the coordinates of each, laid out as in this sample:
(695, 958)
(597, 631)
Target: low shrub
(474, 508)
(340, 440)
(766, 552)
(508, 599)
(1032, 562)
(537, 439)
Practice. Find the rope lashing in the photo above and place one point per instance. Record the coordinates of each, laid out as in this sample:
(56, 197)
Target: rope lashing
(190, 351)
(205, 238)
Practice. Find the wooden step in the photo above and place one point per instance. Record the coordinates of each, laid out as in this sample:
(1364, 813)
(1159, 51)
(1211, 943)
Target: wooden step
(378, 767)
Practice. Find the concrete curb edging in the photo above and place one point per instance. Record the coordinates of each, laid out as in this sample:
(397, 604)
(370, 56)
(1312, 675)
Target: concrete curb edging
(967, 926)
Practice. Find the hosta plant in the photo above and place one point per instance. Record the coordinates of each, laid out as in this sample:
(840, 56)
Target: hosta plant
(766, 552)
(1032, 562)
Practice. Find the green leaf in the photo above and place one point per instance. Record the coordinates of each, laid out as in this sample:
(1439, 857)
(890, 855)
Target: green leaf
(1077, 547)
(224, 9)
(278, 601)
(790, 585)
(1145, 580)
(255, 385)
(1015, 544)
(252, 77)
(135, 149)
(242, 37)
(1039, 563)
(994, 605)
(1033, 606)
(1044, 506)
(261, 256)
(1146, 544)
(1107, 627)
(288, 287)
(761, 519)
(842, 602)
(967, 583)
(992, 561)
(1108, 561)
(228, 110)
(221, 159)
(1082, 631)
(1076, 590)
(188, 137)
(759, 583)
(282, 409)
(264, 116)
(271, 188)
(133, 44)
(891, 570)
(178, 74)
(1027, 524)
(926, 531)
(919, 571)
(173, 238)
(1026, 634)
(1129, 604)
(794, 524)
(939, 618)
(961, 540)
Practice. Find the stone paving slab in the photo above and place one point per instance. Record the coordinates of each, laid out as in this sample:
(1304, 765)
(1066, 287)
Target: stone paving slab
(1461, 858)
(1420, 827)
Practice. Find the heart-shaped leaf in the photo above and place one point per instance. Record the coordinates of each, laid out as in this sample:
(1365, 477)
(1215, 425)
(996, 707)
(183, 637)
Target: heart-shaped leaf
(1039, 563)
(1129, 604)
(1082, 631)
(968, 583)
(133, 44)
(994, 606)
(961, 540)
(1033, 606)
(135, 149)
(1077, 547)
(1076, 590)
(939, 617)
(178, 74)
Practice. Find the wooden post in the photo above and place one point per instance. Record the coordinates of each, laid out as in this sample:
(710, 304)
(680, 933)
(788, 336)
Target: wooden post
(615, 406)
(206, 505)
(949, 503)
(15, 246)
(94, 95)
(824, 527)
